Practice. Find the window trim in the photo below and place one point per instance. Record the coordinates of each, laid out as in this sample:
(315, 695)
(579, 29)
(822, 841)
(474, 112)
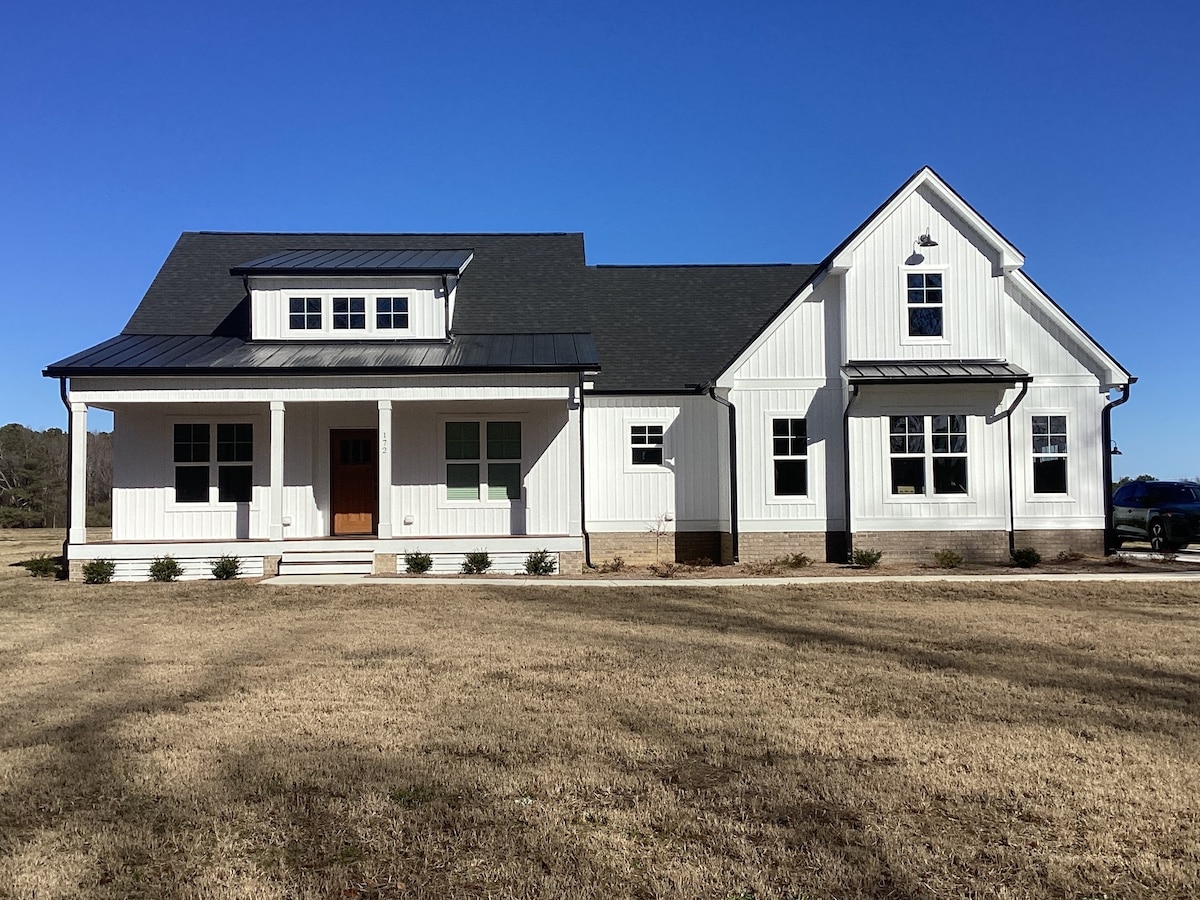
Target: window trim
(769, 436)
(256, 463)
(370, 297)
(627, 446)
(1072, 441)
(928, 455)
(902, 282)
(482, 419)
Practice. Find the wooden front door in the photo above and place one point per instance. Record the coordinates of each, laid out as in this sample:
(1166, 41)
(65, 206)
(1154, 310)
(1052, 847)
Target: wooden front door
(354, 480)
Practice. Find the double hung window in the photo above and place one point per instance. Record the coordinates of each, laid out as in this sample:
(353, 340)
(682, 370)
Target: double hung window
(193, 456)
(928, 450)
(1049, 454)
(789, 452)
(924, 304)
(646, 445)
(483, 469)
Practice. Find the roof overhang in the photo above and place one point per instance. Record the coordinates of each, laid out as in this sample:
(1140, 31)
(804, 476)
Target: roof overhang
(358, 262)
(934, 371)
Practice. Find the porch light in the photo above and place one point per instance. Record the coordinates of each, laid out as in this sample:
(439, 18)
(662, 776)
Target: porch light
(1114, 450)
(926, 241)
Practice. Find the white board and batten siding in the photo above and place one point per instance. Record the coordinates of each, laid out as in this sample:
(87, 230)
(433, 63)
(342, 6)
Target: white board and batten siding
(269, 307)
(623, 497)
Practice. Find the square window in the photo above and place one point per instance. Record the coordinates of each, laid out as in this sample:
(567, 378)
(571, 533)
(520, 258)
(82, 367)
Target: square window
(235, 484)
(504, 481)
(304, 313)
(191, 443)
(349, 313)
(462, 481)
(191, 484)
(1050, 475)
(462, 440)
(950, 475)
(235, 443)
(503, 440)
(791, 478)
(908, 475)
(391, 312)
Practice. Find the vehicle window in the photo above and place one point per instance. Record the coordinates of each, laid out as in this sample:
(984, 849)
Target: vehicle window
(1123, 495)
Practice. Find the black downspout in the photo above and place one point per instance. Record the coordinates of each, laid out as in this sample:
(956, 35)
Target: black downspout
(733, 470)
(1106, 451)
(62, 392)
(846, 471)
(1012, 501)
(587, 538)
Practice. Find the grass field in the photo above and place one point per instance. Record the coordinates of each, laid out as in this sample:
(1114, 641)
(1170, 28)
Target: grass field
(219, 740)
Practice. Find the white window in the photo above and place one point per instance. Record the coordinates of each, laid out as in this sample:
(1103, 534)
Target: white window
(924, 304)
(193, 455)
(928, 450)
(1049, 454)
(483, 469)
(349, 313)
(646, 445)
(391, 313)
(789, 454)
(304, 313)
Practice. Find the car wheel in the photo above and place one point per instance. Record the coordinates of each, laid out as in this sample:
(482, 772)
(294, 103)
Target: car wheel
(1158, 537)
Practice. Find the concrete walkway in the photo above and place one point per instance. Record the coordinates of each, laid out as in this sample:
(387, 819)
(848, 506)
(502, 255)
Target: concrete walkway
(556, 581)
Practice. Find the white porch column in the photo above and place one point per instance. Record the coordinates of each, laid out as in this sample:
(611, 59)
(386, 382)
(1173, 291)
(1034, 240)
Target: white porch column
(384, 527)
(77, 528)
(275, 529)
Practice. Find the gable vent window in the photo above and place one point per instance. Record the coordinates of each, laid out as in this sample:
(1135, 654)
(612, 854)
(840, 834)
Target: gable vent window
(646, 442)
(391, 312)
(349, 313)
(1049, 454)
(789, 439)
(924, 304)
(304, 313)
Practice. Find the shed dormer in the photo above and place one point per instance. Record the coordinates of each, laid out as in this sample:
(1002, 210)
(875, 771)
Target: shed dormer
(356, 295)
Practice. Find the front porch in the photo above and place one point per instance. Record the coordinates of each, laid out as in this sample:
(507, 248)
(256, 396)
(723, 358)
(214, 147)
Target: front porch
(335, 477)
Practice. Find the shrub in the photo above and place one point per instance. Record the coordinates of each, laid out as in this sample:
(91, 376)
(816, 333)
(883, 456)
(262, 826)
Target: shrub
(165, 568)
(796, 561)
(1069, 555)
(616, 564)
(1120, 560)
(666, 570)
(540, 562)
(866, 558)
(476, 562)
(1026, 557)
(417, 563)
(769, 567)
(226, 567)
(99, 571)
(42, 566)
(948, 559)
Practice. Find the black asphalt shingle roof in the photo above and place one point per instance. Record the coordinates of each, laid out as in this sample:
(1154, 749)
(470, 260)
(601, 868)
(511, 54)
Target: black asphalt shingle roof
(656, 328)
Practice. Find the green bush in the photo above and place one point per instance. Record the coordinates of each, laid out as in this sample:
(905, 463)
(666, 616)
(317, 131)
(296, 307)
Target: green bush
(42, 566)
(476, 562)
(226, 567)
(866, 558)
(1026, 557)
(165, 568)
(948, 559)
(99, 571)
(417, 563)
(540, 562)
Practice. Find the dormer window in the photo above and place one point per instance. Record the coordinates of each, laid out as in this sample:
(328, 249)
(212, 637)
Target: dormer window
(304, 313)
(924, 304)
(349, 312)
(391, 313)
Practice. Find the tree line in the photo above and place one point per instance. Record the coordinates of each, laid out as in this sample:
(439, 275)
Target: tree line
(33, 478)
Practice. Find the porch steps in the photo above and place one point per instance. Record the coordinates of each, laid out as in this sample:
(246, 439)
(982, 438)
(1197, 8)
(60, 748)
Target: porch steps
(327, 562)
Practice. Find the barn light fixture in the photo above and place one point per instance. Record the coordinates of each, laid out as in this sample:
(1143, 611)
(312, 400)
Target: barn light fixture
(1114, 450)
(926, 241)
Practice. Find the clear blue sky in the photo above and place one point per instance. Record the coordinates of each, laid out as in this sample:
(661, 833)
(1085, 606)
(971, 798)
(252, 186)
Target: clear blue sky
(681, 132)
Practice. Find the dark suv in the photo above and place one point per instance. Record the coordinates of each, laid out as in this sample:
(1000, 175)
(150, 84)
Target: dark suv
(1165, 513)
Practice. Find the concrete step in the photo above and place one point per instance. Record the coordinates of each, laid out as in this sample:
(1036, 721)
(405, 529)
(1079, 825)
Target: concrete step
(327, 562)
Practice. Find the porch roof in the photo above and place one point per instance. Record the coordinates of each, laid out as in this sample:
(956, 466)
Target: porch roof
(934, 371)
(158, 354)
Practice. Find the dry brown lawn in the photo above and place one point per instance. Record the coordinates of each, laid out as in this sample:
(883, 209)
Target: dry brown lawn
(219, 740)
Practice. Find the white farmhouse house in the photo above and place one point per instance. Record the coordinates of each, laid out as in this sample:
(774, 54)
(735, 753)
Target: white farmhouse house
(328, 402)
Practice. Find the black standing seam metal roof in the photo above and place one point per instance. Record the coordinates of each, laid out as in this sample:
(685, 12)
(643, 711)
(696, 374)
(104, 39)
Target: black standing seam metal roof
(357, 262)
(933, 371)
(133, 354)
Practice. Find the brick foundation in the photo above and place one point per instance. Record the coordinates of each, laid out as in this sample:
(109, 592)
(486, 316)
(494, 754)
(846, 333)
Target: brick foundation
(1050, 543)
(762, 546)
(638, 548)
(75, 570)
(384, 564)
(920, 546)
(570, 562)
(271, 566)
